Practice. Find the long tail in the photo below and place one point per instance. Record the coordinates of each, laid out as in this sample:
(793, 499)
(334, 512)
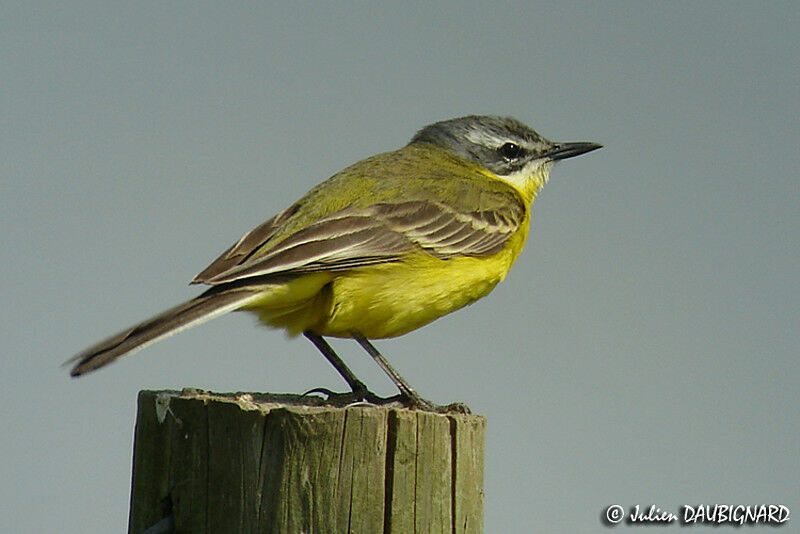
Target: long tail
(212, 303)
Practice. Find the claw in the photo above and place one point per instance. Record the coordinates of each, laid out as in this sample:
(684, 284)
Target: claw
(361, 394)
(324, 391)
(415, 402)
(410, 401)
(339, 399)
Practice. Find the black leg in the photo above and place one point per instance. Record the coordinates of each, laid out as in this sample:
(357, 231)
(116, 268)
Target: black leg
(401, 383)
(411, 397)
(355, 384)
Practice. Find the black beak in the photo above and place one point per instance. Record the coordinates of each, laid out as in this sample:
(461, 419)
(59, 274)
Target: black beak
(570, 150)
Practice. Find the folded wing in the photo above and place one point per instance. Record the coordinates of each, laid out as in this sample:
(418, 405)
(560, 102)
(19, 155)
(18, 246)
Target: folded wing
(357, 237)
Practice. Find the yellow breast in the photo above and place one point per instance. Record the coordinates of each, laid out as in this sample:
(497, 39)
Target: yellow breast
(389, 299)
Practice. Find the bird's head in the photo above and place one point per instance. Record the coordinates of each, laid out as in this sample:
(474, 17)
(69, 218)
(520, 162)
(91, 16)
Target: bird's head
(504, 146)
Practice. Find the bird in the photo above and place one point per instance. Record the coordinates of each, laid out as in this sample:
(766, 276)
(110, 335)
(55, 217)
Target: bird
(381, 248)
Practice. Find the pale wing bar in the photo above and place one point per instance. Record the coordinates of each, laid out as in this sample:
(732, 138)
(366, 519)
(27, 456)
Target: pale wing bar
(445, 232)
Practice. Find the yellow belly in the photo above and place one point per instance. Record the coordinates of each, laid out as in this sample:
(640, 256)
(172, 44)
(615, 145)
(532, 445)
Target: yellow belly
(384, 300)
(392, 299)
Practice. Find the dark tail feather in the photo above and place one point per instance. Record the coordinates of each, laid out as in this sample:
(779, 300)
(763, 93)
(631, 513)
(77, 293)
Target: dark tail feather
(210, 304)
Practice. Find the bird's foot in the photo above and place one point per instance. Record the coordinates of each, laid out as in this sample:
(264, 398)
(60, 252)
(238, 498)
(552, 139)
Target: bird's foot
(413, 401)
(410, 400)
(352, 397)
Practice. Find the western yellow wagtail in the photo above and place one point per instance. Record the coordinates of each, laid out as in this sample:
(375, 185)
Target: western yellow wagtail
(379, 249)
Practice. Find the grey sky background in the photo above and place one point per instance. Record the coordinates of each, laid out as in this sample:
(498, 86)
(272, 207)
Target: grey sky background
(643, 350)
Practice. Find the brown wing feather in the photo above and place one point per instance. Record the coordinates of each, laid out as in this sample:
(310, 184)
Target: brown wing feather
(365, 236)
(240, 250)
(346, 241)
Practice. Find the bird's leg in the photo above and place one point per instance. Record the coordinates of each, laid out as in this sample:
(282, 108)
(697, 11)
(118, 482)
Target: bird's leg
(359, 390)
(410, 397)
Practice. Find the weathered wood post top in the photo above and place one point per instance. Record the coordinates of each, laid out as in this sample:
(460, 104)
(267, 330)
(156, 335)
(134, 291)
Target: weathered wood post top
(222, 463)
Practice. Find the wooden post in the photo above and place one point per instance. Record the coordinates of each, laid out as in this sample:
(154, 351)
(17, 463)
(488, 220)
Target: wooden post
(248, 463)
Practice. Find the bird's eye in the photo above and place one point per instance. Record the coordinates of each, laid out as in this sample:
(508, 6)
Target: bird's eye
(510, 150)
